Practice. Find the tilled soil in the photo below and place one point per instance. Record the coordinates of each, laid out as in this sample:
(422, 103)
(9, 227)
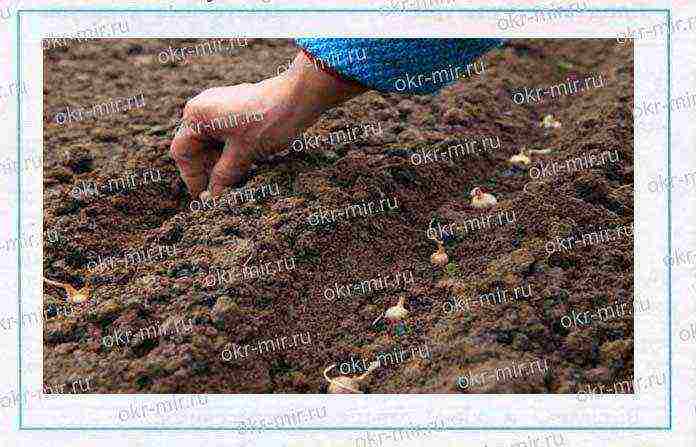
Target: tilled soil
(166, 313)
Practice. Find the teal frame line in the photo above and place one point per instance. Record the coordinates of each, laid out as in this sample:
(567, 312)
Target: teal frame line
(213, 10)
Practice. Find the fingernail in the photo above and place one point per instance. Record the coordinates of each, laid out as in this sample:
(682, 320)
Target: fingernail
(195, 185)
(216, 189)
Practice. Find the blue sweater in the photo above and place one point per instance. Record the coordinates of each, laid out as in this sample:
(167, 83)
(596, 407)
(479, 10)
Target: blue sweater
(416, 66)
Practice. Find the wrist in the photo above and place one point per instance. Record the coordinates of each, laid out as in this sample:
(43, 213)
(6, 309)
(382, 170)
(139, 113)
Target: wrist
(315, 89)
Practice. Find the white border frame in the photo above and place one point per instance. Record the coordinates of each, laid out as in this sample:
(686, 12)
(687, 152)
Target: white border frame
(507, 412)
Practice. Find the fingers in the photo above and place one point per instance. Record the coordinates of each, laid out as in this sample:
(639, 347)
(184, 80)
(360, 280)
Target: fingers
(188, 151)
(210, 157)
(229, 169)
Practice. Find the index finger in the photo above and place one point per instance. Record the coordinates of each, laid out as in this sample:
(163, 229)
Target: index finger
(233, 163)
(187, 150)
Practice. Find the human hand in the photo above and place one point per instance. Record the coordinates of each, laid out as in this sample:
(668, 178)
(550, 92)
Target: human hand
(225, 129)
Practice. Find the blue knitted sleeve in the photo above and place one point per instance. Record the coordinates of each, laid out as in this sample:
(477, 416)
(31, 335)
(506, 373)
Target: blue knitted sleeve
(416, 66)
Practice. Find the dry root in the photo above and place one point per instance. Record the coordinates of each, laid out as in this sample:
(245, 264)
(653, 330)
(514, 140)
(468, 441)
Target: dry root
(74, 296)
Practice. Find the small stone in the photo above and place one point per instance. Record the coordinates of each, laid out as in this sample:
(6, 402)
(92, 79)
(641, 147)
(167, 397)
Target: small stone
(107, 309)
(59, 331)
(287, 204)
(80, 161)
(61, 174)
(601, 374)
(224, 306)
(299, 380)
(330, 155)
(402, 153)
(521, 259)
(453, 116)
(66, 348)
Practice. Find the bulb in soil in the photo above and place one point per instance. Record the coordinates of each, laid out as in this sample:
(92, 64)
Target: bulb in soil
(81, 296)
(521, 160)
(345, 384)
(439, 258)
(481, 199)
(205, 195)
(550, 122)
(397, 313)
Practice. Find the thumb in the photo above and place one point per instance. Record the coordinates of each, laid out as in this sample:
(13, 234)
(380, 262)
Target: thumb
(229, 169)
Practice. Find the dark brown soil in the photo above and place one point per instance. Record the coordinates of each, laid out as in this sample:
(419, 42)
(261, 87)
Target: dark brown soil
(169, 286)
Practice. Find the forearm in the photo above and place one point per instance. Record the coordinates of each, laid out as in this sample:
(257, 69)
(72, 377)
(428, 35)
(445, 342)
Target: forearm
(317, 90)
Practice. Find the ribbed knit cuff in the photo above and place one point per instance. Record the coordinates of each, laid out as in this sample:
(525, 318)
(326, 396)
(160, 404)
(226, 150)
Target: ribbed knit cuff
(415, 66)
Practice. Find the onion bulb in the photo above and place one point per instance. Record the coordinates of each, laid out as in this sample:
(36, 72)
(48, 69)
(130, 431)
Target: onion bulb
(521, 160)
(439, 258)
(74, 296)
(549, 121)
(345, 384)
(481, 199)
(394, 314)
